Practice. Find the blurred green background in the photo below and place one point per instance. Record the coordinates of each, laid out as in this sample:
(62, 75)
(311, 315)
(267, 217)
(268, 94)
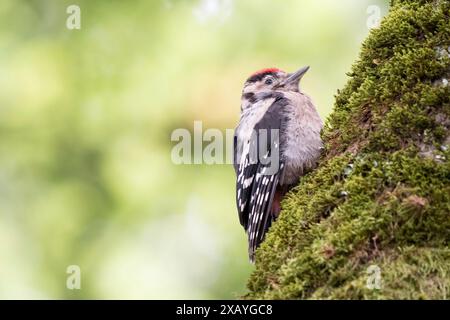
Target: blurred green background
(86, 115)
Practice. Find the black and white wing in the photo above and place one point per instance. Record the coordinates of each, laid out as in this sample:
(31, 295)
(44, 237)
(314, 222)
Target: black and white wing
(258, 175)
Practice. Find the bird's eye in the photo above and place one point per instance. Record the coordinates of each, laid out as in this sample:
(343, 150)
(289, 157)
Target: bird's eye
(269, 81)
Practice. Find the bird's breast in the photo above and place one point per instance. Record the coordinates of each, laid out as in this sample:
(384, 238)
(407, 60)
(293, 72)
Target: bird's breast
(302, 144)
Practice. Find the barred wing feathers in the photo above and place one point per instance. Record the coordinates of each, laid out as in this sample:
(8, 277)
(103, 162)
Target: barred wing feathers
(256, 178)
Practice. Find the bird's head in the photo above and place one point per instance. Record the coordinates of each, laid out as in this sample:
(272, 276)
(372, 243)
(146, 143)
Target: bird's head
(264, 82)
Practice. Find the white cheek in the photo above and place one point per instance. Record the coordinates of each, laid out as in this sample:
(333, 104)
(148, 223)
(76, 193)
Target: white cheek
(249, 88)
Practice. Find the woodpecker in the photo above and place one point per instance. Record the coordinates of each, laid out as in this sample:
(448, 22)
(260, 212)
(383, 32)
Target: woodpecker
(276, 142)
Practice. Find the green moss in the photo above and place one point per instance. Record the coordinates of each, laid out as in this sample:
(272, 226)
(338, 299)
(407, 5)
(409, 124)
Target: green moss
(381, 193)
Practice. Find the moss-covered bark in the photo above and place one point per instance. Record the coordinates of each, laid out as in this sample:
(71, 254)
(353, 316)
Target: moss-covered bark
(381, 194)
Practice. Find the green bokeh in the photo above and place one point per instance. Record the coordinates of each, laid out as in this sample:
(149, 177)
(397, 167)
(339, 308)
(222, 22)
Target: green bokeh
(86, 176)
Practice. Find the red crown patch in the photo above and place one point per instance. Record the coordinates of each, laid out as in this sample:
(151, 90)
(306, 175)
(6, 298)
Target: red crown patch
(267, 70)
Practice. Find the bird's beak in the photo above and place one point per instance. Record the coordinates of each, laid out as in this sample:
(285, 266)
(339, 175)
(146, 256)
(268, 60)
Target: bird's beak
(294, 78)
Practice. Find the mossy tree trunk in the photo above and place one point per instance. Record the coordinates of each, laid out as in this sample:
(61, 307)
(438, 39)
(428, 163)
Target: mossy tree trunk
(381, 193)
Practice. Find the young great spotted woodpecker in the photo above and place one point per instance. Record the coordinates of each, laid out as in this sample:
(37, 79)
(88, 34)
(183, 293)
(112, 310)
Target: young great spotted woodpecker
(276, 141)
